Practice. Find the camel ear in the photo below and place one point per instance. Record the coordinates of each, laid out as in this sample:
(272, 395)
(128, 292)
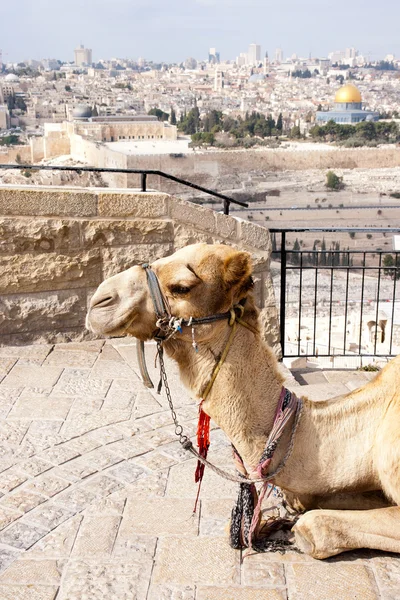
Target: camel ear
(237, 269)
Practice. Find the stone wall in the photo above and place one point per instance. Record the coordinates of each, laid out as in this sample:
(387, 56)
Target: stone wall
(58, 244)
(8, 154)
(206, 167)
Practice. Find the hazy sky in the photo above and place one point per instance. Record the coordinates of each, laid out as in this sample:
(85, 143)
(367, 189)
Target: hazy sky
(172, 30)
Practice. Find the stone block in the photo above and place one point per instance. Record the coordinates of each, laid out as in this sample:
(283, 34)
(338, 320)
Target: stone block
(22, 501)
(96, 536)
(7, 556)
(324, 581)
(258, 569)
(166, 591)
(49, 516)
(158, 516)
(32, 376)
(57, 543)
(135, 547)
(185, 234)
(21, 536)
(48, 484)
(49, 272)
(226, 226)
(239, 593)
(116, 260)
(254, 236)
(43, 408)
(43, 312)
(27, 592)
(24, 235)
(47, 201)
(120, 580)
(7, 516)
(196, 560)
(147, 205)
(187, 212)
(129, 232)
(387, 570)
(44, 572)
(181, 485)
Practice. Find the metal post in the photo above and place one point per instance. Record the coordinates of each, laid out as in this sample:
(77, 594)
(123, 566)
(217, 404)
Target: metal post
(226, 207)
(144, 182)
(283, 291)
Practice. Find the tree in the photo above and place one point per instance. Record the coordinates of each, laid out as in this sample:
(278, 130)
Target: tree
(67, 88)
(333, 182)
(296, 249)
(392, 266)
(295, 132)
(173, 117)
(160, 114)
(279, 123)
(95, 112)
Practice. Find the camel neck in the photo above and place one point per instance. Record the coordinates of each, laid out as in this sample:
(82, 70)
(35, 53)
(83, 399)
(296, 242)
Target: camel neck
(245, 394)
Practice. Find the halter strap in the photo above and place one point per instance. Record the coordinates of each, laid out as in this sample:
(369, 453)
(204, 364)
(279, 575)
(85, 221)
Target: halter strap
(168, 324)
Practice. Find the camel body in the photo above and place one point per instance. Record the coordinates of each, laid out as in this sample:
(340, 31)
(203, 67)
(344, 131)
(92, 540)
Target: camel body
(344, 468)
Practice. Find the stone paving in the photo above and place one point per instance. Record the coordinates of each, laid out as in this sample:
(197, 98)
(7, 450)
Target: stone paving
(96, 496)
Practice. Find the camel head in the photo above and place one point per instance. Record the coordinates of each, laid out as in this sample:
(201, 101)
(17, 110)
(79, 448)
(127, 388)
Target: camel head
(197, 281)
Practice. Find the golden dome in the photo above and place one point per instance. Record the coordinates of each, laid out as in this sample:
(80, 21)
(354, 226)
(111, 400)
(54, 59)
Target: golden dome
(348, 93)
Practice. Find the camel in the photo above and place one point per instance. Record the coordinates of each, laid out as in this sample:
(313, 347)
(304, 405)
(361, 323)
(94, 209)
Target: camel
(343, 474)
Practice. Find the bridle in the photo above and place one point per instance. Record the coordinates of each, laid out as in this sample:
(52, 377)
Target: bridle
(167, 326)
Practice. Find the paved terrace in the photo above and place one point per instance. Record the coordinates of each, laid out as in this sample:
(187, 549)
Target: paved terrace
(97, 496)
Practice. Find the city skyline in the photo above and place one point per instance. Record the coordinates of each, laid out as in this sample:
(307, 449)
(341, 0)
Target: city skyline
(181, 29)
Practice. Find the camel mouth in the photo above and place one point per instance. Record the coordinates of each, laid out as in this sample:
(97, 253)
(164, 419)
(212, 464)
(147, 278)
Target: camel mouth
(116, 329)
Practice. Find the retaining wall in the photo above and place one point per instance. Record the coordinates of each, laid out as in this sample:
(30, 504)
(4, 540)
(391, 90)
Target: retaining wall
(58, 244)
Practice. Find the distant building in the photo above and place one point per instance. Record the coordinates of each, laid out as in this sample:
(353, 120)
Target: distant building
(83, 56)
(213, 56)
(218, 81)
(347, 108)
(191, 64)
(278, 55)
(4, 117)
(254, 54)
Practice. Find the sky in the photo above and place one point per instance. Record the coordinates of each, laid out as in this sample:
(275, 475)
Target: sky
(172, 30)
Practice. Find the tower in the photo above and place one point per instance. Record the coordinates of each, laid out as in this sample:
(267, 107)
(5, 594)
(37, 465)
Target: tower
(254, 54)
(218, 81)
(83, 56)
(278, 55)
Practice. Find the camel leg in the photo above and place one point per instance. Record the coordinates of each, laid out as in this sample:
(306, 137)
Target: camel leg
(324, 533)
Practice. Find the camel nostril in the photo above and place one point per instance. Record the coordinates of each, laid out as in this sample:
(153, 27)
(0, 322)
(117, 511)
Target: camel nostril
(103, 302)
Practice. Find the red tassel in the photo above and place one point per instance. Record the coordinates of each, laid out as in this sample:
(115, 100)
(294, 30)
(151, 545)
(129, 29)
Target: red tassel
(203, 443)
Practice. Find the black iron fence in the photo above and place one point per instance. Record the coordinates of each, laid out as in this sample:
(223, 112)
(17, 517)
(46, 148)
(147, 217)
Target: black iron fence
(337, 301)
(143, 177)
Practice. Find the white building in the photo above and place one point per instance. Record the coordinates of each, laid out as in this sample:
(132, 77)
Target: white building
(254, 54)
(83, 56)
(278, 55)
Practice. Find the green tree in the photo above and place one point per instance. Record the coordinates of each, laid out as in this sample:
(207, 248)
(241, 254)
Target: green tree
(392, 266)
(296, 249)
(279, 123)
(160, 114)
(295, 132)
(173, 117)
(333, 182)
(67, 88)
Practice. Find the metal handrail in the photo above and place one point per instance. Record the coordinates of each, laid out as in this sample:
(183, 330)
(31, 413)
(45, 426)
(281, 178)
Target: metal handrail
(284, 252)
(143, 172)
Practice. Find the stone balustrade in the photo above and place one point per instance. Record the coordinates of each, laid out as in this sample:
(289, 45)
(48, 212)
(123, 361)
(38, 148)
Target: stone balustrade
(58, 244)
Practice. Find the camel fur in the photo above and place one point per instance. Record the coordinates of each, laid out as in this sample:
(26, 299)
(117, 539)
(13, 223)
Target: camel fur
(344, 471)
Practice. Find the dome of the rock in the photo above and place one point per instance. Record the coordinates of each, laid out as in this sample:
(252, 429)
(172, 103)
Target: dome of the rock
(348, 94)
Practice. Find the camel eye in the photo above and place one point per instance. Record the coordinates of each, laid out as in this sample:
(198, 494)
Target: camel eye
(180, 289)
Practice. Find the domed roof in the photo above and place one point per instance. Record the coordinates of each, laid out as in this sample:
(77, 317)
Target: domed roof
(348, 93)
(82, 111)
(11, 77)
